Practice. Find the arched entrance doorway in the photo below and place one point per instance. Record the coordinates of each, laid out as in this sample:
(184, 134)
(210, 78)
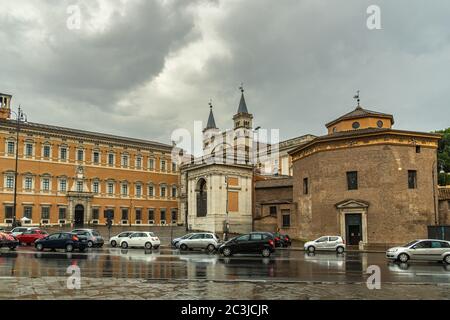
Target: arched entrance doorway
(79, 215)
(202, 197)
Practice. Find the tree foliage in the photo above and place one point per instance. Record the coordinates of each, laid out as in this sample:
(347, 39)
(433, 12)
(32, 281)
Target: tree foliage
(444, 156)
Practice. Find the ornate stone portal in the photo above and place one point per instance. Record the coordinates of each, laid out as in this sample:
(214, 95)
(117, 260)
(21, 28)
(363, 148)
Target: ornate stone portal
(80, 200)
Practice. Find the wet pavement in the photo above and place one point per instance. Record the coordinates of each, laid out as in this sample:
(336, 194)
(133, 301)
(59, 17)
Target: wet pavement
(108, 272)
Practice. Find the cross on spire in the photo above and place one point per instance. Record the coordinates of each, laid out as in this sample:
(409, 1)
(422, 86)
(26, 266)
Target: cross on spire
(241, 87)
(358, 99)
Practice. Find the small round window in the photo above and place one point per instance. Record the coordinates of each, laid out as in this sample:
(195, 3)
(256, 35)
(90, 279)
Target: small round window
(380, 124)
(356, 125)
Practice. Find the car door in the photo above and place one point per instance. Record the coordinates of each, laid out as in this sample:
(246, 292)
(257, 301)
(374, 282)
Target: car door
(52, 241)
(321, 243)
(242, 244)
(332, 242)
(255, 244)
(436, 250)
(134, 239)
(195, 241)
(421, 250)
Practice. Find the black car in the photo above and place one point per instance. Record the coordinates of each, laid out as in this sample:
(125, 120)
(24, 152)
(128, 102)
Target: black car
(253, 243)
(62, 240)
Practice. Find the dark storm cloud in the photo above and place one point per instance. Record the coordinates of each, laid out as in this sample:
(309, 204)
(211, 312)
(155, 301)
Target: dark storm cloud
(152, 66)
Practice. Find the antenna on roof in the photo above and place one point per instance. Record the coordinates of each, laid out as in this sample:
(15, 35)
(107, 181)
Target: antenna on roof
(357, 98)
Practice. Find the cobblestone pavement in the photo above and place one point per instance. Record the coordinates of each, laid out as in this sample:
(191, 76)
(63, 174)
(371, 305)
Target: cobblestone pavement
(49, 288)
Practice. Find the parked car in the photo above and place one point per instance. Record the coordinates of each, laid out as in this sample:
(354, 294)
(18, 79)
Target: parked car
(114, 241)
(146, 240)
(61, 240)
(422, 250)
(7, 240)
(93, 238)
(254, 243)
(176, 240)
(203, 240)
(326, 243)
(19, 230)
(30, 236)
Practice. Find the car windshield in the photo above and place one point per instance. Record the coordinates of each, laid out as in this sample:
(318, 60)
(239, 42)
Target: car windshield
(410, 243)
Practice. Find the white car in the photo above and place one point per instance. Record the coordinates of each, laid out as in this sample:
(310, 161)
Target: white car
(422, 250)
(326, 243)
(19, 230)
(140, 239)
(114, 241)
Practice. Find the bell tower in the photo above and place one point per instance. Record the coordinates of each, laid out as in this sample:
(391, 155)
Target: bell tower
(243, 136)
(5, 106)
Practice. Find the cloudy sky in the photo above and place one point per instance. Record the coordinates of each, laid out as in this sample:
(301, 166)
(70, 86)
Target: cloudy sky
(143, 68)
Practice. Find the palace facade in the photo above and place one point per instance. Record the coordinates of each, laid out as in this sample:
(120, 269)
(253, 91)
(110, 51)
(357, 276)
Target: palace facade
(69, 176)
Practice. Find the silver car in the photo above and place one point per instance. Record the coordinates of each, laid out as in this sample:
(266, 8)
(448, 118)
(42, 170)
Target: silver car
(204, 240)
(326, 243)
(422, 250)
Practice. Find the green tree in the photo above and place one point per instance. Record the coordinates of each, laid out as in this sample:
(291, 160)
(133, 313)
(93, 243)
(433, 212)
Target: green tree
(444, 156)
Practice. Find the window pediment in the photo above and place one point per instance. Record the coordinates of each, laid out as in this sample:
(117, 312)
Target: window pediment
(351, 204)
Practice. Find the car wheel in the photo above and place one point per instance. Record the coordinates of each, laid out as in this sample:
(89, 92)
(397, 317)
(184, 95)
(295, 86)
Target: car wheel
(403, 257)
(210, 248)
(447, 259)
(183, 247)
(69, 248)
(340, 250)
(90, 244)
(148, 245)
(124, 245)
(227, 252)
(311, 249)
(113, 243)
(266, 253)
(39, 247)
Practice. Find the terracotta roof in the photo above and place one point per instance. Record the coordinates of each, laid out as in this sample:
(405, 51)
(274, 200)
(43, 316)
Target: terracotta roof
(360, 112)
(274, 182)
(444, 193)
(361, 132)
(76, 133)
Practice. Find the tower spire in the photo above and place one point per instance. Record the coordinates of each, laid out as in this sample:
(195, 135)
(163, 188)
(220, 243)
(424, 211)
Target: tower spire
(211, 121)
(242, 104)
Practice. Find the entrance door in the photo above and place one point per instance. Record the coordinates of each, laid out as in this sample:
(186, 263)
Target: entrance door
(79, 215)
(353, 228)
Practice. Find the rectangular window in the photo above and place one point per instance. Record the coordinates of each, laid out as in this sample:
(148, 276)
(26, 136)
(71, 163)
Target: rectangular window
(151, 214)
(174, 167)
(163, 214)
(305, 186)
(29, 150)
(286, 219)
(28, 212)
(124, 214)
(45, 213)
(151, 164)
(46, 184)
(111, 159)
(163, 192)
(9, 212)
(352, 180)
(163, 165)
(151, 191)
(138, 190)
(138, 214)
(79, 186)
(174, 215)
(96, 157)
(125, 161)
(63, 185)
(138, 163)
(109, 213)
(124, 189)
(11, 147)
(28, 183)
(412, 179)
(62, 213)
(418, 149)
(10, 182)
(174, 192)
(46, 151)
(95, 187)
(273, 210)
(80, 155)
(95, 213)
(63, 154)
(110, 188)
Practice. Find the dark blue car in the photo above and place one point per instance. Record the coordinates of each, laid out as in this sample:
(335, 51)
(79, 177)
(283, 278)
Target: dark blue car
(61, 240)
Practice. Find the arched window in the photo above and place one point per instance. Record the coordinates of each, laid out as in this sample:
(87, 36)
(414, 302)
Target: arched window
(202, 196)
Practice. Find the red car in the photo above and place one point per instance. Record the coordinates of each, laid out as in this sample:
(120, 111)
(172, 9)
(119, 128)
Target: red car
(30, 236)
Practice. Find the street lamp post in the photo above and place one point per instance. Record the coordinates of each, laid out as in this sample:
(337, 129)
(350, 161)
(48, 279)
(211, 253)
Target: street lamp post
(20, 116)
